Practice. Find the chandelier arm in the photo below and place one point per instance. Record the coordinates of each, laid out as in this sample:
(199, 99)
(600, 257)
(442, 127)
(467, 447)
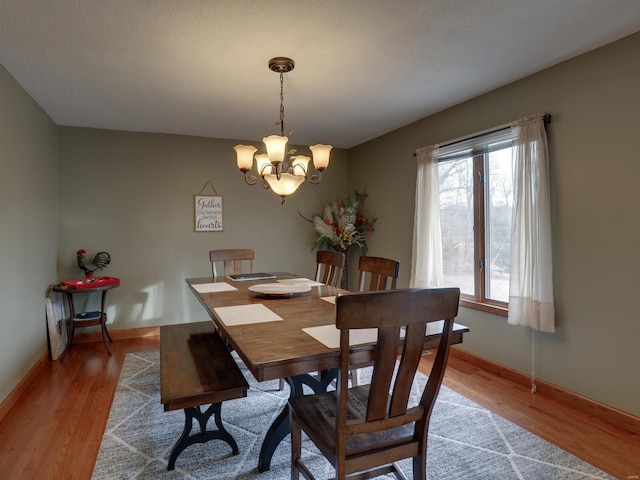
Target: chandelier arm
(315, 179)
(300, 166)
(250, 179)
(264, 167)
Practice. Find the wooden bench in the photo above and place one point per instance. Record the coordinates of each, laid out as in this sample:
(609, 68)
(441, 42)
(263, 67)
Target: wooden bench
(197, 369)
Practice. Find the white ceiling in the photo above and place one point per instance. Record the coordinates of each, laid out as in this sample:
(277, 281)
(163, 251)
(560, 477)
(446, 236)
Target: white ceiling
(363, 67)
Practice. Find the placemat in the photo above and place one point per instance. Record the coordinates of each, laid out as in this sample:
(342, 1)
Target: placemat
(329, 335)
(246, 314)
(213, 287)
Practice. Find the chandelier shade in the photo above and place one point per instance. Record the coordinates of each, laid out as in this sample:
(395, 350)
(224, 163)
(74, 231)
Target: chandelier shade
(284, 185)
(275, 147)
(300, 163)
(244, 155)
(279, 169)
(320, 156)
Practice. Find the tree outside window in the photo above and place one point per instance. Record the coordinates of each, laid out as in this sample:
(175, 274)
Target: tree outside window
(476, 191)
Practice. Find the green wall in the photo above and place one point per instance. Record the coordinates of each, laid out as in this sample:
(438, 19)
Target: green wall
(131, 194)
(28, 229)
(595, 176)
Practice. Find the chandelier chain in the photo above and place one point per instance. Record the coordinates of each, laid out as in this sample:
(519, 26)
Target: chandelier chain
(281, 104)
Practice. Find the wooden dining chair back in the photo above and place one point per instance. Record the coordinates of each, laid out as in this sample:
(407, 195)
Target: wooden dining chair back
(382, 274)
(364, 430)
(232, 260)
(376, 274)
(329, 267)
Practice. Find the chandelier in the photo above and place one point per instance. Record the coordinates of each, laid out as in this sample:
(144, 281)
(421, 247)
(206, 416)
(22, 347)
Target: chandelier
(279, 169)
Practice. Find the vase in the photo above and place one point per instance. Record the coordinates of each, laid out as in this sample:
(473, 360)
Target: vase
(344, 282)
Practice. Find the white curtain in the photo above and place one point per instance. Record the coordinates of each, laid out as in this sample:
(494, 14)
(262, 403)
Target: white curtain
(426, 266)
(531, 283)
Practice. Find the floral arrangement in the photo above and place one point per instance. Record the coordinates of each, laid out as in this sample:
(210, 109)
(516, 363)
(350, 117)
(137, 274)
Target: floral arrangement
(342, 224)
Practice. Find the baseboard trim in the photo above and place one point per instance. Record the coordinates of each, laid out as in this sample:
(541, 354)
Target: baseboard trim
(90, 337)
(22, 386)
(592, 407)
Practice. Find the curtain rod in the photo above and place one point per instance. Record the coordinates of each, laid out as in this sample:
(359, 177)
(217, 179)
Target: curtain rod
(546, 117)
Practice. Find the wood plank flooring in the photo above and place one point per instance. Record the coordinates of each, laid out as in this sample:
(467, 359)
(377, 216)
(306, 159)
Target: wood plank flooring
(55, 429)
(610, 448)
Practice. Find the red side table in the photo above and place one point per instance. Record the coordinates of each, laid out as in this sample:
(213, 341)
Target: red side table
(87, 319)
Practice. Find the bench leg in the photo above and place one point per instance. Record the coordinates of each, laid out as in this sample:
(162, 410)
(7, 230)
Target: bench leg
(204, 435)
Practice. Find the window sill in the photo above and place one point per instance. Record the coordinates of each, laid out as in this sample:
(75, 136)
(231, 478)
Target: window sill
(502, 310)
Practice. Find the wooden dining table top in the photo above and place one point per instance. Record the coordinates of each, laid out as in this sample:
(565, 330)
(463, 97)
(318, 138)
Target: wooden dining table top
(278, 349)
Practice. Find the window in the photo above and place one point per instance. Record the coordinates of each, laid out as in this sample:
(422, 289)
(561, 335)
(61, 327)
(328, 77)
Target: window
(463, 233)
(476, 191)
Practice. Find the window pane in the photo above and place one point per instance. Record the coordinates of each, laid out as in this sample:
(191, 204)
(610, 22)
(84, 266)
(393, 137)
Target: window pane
(456, 217)
(499, 191)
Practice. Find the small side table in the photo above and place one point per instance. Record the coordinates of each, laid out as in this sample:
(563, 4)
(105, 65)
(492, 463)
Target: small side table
(77, 320)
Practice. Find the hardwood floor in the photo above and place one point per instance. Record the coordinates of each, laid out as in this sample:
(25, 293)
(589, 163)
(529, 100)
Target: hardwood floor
(610, 448)
(55, 429)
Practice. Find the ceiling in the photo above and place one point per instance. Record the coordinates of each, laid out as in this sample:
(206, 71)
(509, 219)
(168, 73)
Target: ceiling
(363, 67)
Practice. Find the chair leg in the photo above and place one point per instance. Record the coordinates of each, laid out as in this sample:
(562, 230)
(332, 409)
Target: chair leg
(296, 447)
(420, 467)
(354, 377)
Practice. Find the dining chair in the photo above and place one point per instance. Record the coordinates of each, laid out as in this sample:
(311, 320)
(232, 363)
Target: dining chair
(232, 260)
(376, 273)
(364, 430)
(329, 267)
(382, 273)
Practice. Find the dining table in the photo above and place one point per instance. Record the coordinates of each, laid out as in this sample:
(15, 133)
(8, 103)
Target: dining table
(283, 326)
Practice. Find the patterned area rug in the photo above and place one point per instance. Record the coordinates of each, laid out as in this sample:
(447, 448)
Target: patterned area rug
(465, 439)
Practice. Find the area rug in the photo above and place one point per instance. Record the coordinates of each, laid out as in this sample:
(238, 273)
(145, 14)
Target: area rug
(466, 441)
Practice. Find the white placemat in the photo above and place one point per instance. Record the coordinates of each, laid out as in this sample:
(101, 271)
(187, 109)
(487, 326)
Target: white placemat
(213, 287)
(329, 335)
(329, 299)
(301, 281)
(246, 314)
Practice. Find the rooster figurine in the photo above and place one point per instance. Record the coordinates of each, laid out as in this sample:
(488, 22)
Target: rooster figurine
(100, 261)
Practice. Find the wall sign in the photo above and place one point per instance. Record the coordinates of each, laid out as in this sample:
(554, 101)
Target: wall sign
(208, 213)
